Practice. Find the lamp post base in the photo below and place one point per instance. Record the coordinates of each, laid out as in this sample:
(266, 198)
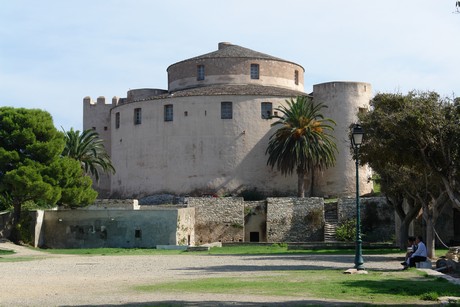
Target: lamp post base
(355, 271)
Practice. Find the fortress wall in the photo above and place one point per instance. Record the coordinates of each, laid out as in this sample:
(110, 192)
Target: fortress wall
(196, 153)
(235, 71)
(344, 101)
(218, 219)
(295, 219)
(96, 116)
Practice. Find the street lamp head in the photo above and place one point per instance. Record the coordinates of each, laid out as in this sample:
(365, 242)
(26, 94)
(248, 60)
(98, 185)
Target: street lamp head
(357, 133)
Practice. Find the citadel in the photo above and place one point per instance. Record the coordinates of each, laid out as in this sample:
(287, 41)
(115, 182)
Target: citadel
(208, 132)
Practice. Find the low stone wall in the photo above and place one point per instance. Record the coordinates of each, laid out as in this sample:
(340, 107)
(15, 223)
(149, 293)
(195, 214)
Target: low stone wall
(377, 217)
(295, 219)
(218, 219)
(115, 228)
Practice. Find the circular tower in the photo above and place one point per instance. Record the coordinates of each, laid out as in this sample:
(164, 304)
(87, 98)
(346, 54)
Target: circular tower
(344, 101)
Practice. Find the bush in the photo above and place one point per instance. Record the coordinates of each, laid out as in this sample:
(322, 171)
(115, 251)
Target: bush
(346, 231)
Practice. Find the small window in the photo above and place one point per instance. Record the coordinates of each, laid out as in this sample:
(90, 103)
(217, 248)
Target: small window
(137, 116)
(254, 71)
(362, 110)
(200, 72)
(117, 120)
(168, 113)
(226, 111)
(266, 108)
(105, 128)
(296, 77)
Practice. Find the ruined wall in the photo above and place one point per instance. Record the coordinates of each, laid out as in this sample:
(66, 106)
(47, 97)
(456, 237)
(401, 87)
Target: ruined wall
(377, 217)
(112, 228)
(218, 219)
(295, 219)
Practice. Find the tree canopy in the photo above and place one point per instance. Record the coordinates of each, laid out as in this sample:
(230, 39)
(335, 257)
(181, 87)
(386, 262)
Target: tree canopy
(303, 141)
(32, 167)
(411, 142)
(89, 150)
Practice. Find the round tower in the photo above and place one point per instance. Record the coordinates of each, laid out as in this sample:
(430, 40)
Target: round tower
(344, 100)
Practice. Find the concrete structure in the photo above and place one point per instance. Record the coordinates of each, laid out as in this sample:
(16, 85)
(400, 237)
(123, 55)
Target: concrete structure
(208, 133)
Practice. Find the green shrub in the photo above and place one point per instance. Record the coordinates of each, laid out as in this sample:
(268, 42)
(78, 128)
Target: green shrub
(429, 296)
(346, 231)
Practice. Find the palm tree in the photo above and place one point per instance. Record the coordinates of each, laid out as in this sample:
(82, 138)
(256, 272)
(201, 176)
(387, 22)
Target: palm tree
(89, 149)
(303, 141)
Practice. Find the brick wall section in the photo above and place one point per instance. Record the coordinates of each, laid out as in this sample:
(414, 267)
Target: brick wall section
(218, 219)
(377, 217)
(295, 219)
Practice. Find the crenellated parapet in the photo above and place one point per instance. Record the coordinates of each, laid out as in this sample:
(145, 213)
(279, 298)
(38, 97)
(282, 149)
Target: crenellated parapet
(101, 101)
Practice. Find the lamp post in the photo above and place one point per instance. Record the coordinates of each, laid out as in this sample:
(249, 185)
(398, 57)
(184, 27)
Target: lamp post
(356, 140)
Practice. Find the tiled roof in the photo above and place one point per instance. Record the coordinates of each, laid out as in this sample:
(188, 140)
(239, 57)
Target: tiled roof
(234, 51)
(218, 90)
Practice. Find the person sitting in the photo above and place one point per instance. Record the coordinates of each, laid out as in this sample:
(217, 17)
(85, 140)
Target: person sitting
(411, 248)
(419, 255)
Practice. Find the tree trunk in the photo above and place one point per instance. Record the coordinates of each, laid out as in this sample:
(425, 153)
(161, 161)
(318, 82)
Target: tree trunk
(404, 234)
(300, 183)
(429, 240)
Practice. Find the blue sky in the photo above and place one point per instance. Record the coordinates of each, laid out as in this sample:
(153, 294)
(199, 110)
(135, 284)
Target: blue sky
(54, 53)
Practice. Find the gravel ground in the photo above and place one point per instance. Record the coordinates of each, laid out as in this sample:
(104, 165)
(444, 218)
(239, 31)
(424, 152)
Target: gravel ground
(68, 280)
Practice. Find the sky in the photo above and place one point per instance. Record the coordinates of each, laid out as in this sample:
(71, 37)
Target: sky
(54, 53)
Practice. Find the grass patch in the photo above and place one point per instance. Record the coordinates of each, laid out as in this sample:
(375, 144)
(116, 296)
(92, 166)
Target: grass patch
(113, 251)
(6, 252)
(401, 287)
(226, 250)
(17, 259)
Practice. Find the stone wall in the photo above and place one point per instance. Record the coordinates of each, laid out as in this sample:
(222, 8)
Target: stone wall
(114, 228)
(295, 219)
(218, 219)
(377, 217)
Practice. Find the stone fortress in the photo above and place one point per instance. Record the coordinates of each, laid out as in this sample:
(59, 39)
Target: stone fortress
(208, 132)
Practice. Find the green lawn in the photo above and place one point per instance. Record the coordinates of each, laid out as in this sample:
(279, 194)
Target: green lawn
(395, 287)
(229, 250)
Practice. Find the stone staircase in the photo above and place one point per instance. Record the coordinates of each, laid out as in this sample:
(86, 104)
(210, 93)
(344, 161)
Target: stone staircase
(331, 221)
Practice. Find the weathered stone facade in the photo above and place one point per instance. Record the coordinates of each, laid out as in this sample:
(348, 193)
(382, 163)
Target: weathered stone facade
(295, 219)
(116, 228)
(201, 220)
(209, 131)
(218, 219)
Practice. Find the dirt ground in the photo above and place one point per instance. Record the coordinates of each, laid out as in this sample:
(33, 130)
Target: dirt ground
(68, 280)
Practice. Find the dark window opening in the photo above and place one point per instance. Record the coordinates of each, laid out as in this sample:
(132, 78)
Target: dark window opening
(117, 120)
(254, 236)
(168, 113)
(137, 116)
(266, 110)
(254, 71)
(296, 77)
(138, 233)
(226, 111)
(200, 72)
